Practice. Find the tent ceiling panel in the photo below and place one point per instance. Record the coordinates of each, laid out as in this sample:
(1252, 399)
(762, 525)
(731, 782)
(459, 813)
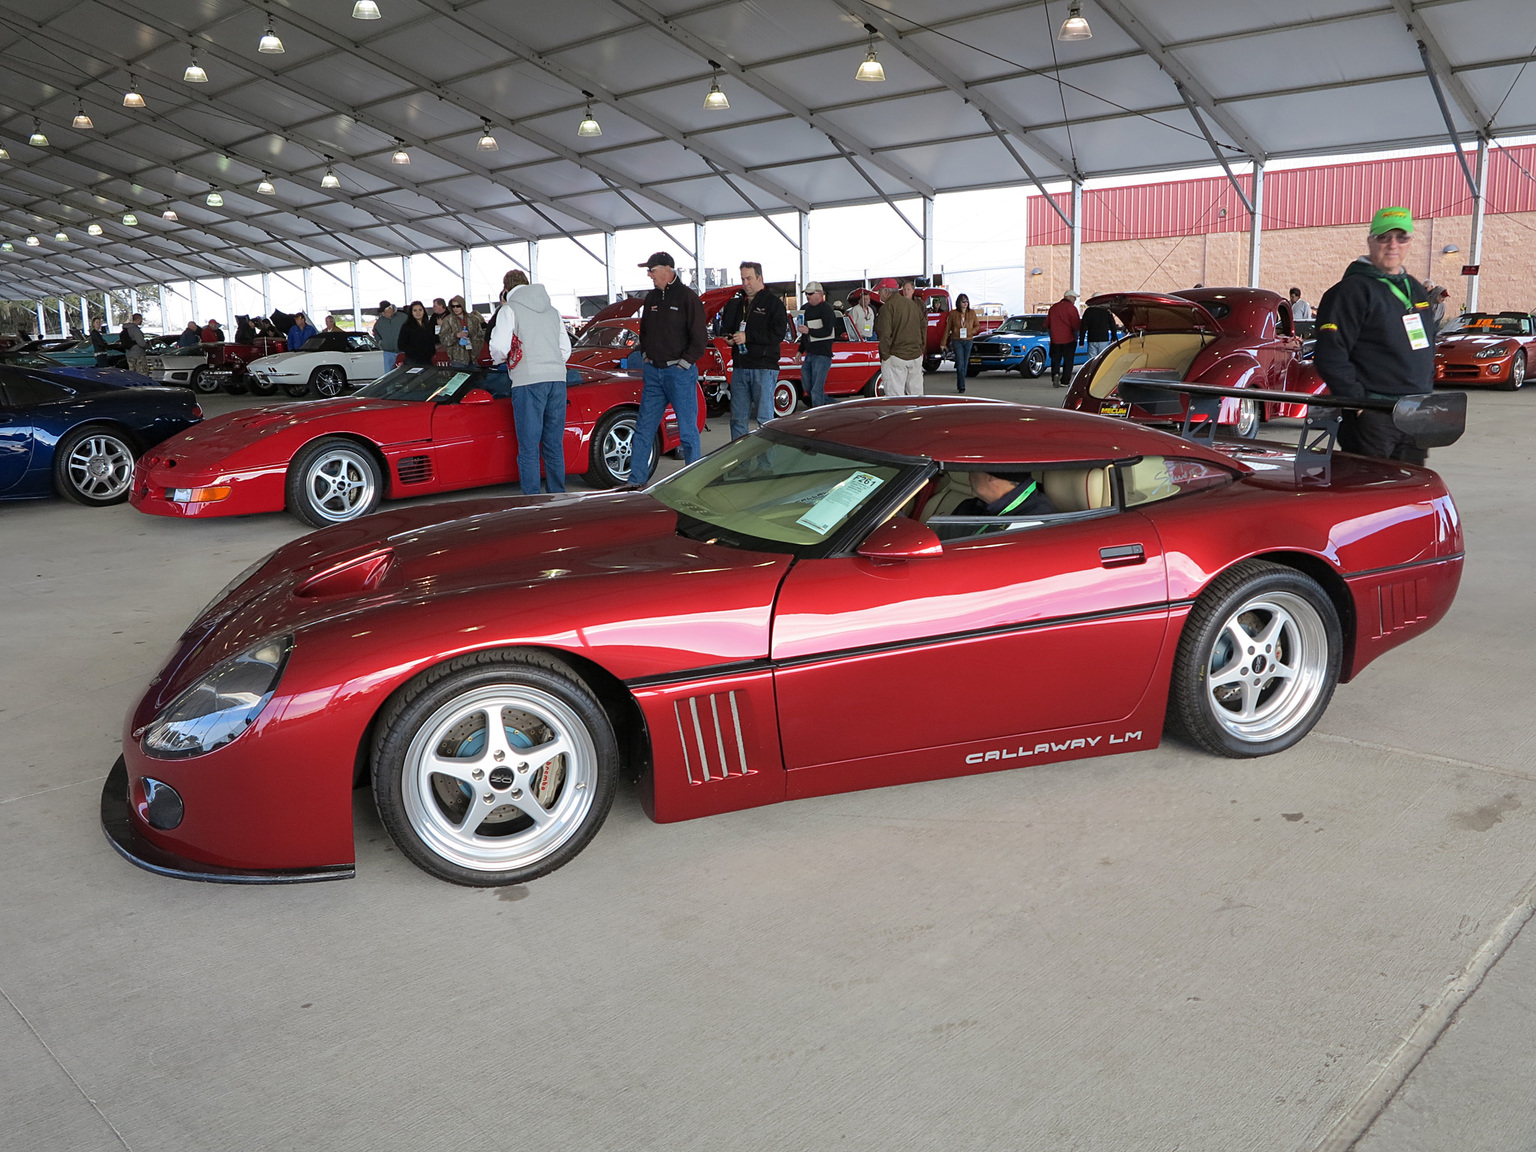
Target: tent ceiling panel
(1181, 20)
(1328, 119)
(756, 33)
(548, 26)
(517, 90)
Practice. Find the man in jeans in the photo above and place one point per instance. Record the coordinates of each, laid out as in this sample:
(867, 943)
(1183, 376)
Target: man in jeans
(1098, 328)
(538, 379)
(754, 321)
(671, 341)
(902, 329)
(818, 331)
(131, 341)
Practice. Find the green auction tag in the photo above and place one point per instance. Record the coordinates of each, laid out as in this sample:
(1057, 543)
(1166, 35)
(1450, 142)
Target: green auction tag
(1417, 337)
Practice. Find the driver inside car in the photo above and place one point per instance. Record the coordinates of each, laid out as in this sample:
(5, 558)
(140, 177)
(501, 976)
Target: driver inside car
(1005, 494)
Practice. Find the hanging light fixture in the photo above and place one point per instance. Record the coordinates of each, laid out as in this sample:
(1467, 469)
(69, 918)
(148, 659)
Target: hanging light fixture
(871, 69)
(194, 73)
(37, 139)
(7, 247)
(81, 120)
(4, 155)
(487, 142)
(130, 219)
(329, 180)
(270, 42)
(714, 99)
(169, 214)
(214, 200)
(94, 229)
(589, 125)
(1074, 27)
(131, 98)
(265, 187)
(33, 241)
(61, 236)
(365, 10)
(401, 156)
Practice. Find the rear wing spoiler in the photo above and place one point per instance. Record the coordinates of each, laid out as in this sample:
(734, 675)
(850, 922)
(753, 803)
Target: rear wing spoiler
(1432, 419)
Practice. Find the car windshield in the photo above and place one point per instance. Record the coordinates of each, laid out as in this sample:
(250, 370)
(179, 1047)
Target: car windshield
(1485, 324)
(29, 360)
(774, 493)
(606, 336)
(412, 382)
(1022, 324)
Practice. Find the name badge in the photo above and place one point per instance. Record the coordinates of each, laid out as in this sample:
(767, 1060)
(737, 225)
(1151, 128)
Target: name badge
(1417, 337)
(962, 334)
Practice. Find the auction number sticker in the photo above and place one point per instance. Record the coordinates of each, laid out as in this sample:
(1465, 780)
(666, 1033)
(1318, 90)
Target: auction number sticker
(1114, 408)
(840, 500)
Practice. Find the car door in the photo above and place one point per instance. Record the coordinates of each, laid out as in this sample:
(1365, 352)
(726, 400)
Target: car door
(24, 402)
(854, 361)
(890, 671)
(474, 443)
(365, 362)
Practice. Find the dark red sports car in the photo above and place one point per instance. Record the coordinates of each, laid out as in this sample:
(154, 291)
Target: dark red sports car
(412, 432)
(1221, 337)
(759, 627)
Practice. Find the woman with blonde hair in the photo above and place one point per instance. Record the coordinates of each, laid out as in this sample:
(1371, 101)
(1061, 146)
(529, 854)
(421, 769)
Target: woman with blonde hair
(537, 375)
(461, 332)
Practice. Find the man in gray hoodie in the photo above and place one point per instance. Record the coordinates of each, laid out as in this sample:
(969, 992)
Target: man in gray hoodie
(538, 379)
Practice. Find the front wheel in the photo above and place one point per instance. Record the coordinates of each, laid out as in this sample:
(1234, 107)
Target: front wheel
(495, 768)
(931, 363)
(327, 382)
(1257, 662)
(612, 450)
(874, 386)
(1034, 364)
(786, 398)
(202, 384)
(1516, 374)
(332, 481)
(93, 466)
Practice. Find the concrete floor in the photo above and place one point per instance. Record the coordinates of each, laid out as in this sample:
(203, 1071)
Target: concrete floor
(1154, 951)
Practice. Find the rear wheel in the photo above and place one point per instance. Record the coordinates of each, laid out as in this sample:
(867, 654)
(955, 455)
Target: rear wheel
(1034, 364)
(495, 768)
(332, 481)
(201, 383)
(613, 447)
(786, 397)
(93, 466)
(1516, 374)
(1249, 417)
(327, 382)
(874, 386)
(931, 363)
(1257, 662)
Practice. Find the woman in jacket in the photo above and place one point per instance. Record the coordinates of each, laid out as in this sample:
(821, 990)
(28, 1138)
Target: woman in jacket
(417, 343)
(959, 331)
(461, 332)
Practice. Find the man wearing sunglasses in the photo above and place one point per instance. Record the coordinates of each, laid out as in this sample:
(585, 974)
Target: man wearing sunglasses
(1376, 339)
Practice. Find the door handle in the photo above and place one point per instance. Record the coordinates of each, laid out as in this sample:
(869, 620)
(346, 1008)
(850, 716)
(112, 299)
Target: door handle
(1121, 555)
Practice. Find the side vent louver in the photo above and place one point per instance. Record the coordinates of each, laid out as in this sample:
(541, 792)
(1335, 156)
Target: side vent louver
(414, 469)
(1403, 604)
(713, 746)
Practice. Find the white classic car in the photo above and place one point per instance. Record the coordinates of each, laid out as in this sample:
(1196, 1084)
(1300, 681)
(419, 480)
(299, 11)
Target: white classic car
(327, 365)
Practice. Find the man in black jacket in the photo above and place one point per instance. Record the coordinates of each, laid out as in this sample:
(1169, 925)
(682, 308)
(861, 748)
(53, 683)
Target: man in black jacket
(753, 321)
(671, 340)
(1376, 339)
(818, 332)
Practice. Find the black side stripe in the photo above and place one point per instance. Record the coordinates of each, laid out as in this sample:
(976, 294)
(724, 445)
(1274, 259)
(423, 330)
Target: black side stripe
(1403, 567)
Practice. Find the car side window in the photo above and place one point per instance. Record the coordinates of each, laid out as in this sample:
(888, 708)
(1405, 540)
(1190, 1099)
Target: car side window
(24, 391)
(1154, 478)
(952, 504)
(361, 344)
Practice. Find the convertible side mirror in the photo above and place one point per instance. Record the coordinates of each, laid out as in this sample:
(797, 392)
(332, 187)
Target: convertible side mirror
(476, 396)
(901, 538)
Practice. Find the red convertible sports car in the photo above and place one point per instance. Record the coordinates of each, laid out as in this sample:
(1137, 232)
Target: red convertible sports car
(412, 432)
(1485, 348)
(758, 627)
(1222, 337)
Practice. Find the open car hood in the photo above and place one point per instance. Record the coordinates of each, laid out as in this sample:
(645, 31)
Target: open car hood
(1157, 312)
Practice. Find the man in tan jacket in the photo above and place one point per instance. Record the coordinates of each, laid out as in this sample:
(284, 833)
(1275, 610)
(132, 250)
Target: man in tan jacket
(902, 330)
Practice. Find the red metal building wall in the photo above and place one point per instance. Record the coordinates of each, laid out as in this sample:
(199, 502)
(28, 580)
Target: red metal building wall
(1428, 186)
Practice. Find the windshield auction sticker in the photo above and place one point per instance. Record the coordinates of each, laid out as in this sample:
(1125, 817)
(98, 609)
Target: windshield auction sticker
(843, 498)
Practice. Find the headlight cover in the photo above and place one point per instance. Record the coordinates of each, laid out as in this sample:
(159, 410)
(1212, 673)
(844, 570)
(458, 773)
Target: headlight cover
(1493, 353)
(220, 706)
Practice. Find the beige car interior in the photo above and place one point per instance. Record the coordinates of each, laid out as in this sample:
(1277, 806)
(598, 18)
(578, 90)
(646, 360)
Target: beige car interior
(1070, 489)
(1174, 351)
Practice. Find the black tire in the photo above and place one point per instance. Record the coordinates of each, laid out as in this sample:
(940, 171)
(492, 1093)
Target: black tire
(1516, 378)
(297, 391)
(201, 384)
(93, 465)
(931, 363)
(1289, 616)
(257, 386)
(235, 386)
(786, 398)
(327, 382)
(609, 451)
(1035, 361)
(333, 480)
(874, 386)
(972, 370)
(539, 699)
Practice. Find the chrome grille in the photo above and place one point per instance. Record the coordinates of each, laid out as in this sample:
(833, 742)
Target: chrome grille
(713, 745)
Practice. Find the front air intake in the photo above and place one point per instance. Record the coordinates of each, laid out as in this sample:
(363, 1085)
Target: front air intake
(414, 469)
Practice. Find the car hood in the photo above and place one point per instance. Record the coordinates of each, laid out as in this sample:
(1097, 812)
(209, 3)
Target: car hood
(1475, 341)
(596, 357)
(214, 440)
(1156, 312)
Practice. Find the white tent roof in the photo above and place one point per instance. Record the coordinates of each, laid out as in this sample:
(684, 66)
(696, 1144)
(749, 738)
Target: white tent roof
(978, 93)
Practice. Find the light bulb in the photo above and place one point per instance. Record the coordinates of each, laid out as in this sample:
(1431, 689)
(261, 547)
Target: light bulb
(265, 187)
(4, 155)
(365, 10)
(169, 214)
(487, 142)
(194, 73)
(33, 241)
(329, 180)
(401, 156)
(94, 229)
(131, 98)
(7, 247)
(715, 100)
(270, 42)
(214, 200)
(130, 219)
(61, 235)
(589, 126)
(37, 139)
(82, 121)
(871, 69)
(1074, 27)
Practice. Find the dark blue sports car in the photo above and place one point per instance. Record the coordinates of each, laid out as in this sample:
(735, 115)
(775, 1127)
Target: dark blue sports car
(52, 366)
(80, 437)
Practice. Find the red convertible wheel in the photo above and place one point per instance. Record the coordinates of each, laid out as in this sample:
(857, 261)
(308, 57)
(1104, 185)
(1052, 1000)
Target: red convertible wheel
(332, 481)
(494, 769)
(1257, 663)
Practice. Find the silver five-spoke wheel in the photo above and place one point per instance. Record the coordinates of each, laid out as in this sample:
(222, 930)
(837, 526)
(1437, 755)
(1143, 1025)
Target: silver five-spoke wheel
(333, 481)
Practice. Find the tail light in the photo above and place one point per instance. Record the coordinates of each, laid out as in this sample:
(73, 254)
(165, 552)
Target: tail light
(197, 411)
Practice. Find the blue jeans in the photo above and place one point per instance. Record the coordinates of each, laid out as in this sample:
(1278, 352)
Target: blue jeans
(1097, 346)
(679, 388)
(813, 370)
(962, 362)
(751, 395)
(538, 415)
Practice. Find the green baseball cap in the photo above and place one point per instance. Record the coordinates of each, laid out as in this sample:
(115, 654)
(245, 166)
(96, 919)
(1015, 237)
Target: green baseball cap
(1387, 219)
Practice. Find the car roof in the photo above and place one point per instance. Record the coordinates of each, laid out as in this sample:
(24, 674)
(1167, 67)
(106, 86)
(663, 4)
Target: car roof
(981, 431)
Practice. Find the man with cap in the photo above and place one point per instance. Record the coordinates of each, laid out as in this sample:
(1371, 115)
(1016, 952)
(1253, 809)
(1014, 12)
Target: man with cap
(818, 330)
(1376, 339)
(386, 329)
(1064, 324)
(902, 329)
(671, 342)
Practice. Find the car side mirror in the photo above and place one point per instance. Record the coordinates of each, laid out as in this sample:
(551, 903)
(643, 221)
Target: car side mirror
(476, 396)
(901, 538)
